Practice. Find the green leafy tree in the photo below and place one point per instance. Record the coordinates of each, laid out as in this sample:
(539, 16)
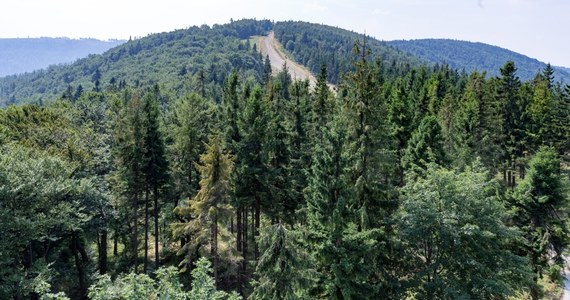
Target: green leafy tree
(166, 286)
(457, 237)
(42, 205)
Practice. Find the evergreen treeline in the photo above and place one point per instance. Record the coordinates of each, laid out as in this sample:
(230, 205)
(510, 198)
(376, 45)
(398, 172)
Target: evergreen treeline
(312, 45)
(409, 183)
(474, 57)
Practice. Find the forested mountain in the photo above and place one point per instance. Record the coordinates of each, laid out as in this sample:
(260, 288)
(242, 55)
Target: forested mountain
(314, 44)
(210, 177)
(22, 55)
(164, 58)
(471, 57)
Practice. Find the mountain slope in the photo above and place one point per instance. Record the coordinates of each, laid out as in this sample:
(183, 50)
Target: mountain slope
(203, 52)
(164, 58)
(313, 44)
(29, 54)
(475, 57)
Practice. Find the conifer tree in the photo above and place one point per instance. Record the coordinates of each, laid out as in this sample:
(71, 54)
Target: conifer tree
(209, 212)
(509, 98)
(282, 266)
(251, 156)
(425, 146)
(373, 198)
(365, 111)
(541, 210)
(127, 181)
(154, 164)
(190, 123)
(339, 248)
(322, 104)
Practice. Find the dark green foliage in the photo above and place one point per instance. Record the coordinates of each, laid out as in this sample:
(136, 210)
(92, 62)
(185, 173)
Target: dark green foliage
(280, 267)
(147, 61)
(474, 57)
(313, 45)
(540, 202)
(318, 205)
(425, 146)
(342, 250)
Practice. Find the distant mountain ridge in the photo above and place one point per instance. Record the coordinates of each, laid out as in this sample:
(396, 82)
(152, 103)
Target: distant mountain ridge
(185, 59)
(475, 56)
(21, 55)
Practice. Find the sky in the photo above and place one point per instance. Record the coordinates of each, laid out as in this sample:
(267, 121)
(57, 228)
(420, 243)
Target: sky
(536, 28)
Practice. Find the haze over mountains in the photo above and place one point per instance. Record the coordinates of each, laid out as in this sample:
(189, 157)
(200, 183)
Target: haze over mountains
(162, 58)
(20, 55)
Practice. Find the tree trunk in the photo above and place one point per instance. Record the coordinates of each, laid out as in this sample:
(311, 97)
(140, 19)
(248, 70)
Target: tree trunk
(146, 204)
(136, 232)
(244, 239)
(156, 253)
(214, 246)
(103, 253)
(257, 221)
(239, 229)
(115, 244)
(77, 249)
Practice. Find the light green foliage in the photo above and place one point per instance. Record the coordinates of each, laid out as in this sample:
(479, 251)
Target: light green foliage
(209, 211)
(126, 287)
(166, 286)
(146, 61)
(188, 129)
(204, 286)
(40, 203)
(459, 244)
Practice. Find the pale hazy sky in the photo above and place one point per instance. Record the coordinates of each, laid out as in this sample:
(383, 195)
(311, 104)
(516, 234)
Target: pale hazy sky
(537, 28)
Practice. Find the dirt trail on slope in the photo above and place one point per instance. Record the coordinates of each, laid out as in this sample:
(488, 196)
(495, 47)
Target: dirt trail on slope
(270, 46)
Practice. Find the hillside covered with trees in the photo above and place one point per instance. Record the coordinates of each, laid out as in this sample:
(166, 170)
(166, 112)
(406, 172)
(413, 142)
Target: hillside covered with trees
(409, 182)
(472, 57)
(23, 55)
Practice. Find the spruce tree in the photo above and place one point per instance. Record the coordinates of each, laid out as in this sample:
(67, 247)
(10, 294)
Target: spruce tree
(425, 146)
(154, 164)
(509, 98)
(540, 202)
(251, 155)
(281, 269)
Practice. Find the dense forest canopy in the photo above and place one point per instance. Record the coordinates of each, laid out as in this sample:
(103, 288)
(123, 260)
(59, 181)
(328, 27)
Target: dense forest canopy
(206, 177)
(472, 57)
